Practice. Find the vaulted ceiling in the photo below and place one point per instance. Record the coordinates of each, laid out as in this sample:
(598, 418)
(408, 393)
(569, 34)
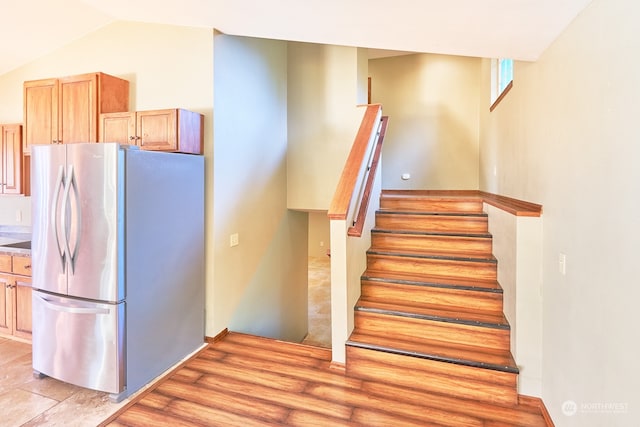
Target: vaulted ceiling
(520, 29)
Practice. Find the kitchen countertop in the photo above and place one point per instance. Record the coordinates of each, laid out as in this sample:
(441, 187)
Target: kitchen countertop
(14, 234)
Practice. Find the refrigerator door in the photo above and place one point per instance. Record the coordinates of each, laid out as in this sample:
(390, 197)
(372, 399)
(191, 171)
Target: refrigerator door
(48, 165)
(79, 342)
(94, 219)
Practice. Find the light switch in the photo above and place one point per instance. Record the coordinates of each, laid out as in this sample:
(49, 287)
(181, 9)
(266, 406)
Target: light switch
(234, 240)
(562, 264)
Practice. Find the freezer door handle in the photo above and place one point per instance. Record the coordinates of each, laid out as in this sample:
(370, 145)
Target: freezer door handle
(67, 309)
(55, 216)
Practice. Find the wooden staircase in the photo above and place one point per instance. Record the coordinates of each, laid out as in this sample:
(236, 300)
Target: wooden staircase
(430, 315)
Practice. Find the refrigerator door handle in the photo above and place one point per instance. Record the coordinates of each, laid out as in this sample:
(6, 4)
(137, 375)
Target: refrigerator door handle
(76, 222)
(64, 214)
(56, 217)
(73, 310)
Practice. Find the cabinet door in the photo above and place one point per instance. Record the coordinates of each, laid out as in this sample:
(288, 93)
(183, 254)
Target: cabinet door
(11, 167)
(22, 319)
(40, 113)
(5, 306)
(118, 127)
(157, 130)
(78, 108)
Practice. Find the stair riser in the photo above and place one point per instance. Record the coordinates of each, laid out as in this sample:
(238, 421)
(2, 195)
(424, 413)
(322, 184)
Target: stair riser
(433, 267)
(426, 205)
(422, 330)
(478, 246)
(446, 297)
(433, 376)
(433, 223)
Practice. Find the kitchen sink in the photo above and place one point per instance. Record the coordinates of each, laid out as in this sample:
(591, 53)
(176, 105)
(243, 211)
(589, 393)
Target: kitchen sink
(18, 245)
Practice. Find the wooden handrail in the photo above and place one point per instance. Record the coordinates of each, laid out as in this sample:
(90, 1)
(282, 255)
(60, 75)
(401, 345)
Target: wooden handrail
(356, 229)
(341, 201)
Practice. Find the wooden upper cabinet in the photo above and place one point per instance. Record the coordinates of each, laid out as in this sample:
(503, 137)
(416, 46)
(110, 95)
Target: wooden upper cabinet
(11, 159)
(118, 127)
(66, 110)
(40, 113)
(172, 130)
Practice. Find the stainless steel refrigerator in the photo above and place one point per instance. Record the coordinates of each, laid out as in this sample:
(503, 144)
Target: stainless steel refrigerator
(118, 263)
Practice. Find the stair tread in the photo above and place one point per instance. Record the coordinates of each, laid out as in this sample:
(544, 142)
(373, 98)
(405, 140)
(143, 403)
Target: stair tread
(431, 233)
(461, 255)
(434, 198)
(436, 194)
(437, 350)
(434, 213)
(437, 281)
(437, 313)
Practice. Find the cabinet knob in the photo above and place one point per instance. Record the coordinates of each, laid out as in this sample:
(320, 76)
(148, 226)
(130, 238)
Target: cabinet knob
(27, 267)
(132, 138)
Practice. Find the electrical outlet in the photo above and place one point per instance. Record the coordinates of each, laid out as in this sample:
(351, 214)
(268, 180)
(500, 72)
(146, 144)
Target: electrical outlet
(321, 244)
(234, 240)
(562, 264)
(18, 215)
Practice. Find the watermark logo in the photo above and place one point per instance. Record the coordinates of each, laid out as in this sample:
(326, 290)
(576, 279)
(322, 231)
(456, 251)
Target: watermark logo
(570, 408)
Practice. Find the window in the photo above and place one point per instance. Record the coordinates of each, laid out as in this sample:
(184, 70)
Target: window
(501, 79)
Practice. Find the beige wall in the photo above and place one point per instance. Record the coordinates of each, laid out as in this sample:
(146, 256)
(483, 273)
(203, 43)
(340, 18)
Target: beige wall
(166, 66)
(566, 136)
(324, 87)
(260, 286)
(9, 207)
(432, 104)
(319, 234)
(517, 244)
(348, 262)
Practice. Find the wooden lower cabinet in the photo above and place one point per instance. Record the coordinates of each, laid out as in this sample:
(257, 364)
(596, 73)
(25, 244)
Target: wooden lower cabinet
(15, 297)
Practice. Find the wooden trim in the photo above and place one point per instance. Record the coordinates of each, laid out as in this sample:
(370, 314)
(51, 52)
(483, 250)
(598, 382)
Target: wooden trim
(219, 337)
(502, 95)
(536, 402)
(513, 206)
(347, 184)
(356, 230)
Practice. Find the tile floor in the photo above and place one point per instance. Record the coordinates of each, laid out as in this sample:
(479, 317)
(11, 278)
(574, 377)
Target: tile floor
(319, 302)
(26, 401)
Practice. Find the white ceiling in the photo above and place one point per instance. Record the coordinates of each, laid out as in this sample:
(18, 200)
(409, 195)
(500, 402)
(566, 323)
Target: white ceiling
(520, 29)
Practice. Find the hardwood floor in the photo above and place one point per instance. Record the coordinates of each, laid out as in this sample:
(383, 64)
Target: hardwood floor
(244, 380)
